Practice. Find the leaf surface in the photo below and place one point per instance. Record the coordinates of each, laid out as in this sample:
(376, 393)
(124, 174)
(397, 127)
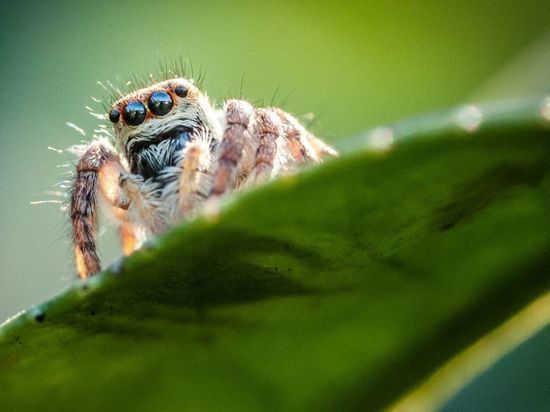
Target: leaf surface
(341, 287)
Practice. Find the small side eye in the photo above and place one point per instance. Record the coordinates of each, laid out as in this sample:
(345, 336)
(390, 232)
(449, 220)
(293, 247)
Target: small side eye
(160, 103)
(114, 115)
(134, 113)
(181, 90)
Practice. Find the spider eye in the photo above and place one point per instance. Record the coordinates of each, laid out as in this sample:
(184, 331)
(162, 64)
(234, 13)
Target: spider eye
(180, 90)
(160, 103)
(134, 113)
(114, 115)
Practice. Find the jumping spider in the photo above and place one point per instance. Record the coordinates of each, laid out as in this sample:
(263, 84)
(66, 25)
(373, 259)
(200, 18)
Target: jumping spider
(172, 152)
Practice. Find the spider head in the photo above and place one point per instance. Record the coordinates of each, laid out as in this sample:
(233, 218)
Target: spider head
(152, 125)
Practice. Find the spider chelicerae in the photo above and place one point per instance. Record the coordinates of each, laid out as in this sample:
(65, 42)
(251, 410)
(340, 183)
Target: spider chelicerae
(172, 152)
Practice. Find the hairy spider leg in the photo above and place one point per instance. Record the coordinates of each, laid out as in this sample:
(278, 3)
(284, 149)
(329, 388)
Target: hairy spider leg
(94, 172)
(267, 129)
(237, 118)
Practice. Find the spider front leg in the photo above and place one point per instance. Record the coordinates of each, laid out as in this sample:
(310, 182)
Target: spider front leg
(128, 237)
(97, 172)
(143, 201)
(195, 161)
(109, 182)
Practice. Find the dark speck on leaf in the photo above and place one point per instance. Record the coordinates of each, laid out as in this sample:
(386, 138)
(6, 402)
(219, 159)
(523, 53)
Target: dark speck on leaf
(206, 339)
(40, 317)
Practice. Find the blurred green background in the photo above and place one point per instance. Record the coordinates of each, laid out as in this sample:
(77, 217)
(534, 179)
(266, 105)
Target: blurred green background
(353, 64)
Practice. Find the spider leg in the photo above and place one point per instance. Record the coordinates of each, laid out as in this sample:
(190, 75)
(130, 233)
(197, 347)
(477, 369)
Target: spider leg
(321, 148)
(128, 238)
(303, 145)
(237, 117)
(109, 181)
(295, 134)
(94, 171)
(266, 130)
(142, 198)
(196, 157)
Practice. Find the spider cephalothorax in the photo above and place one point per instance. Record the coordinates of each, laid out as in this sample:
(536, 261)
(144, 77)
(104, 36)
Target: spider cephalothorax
(172, 151)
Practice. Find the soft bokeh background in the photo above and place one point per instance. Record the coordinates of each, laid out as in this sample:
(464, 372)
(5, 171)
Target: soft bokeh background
(353, 64)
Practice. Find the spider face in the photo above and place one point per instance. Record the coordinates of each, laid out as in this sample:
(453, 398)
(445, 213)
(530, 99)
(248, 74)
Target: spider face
(153, 124)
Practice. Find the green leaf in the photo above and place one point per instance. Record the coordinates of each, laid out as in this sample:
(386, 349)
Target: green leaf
(342, 287)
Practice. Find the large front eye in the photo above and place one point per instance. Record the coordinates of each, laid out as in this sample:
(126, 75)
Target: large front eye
(160, 103)
(134, 113)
